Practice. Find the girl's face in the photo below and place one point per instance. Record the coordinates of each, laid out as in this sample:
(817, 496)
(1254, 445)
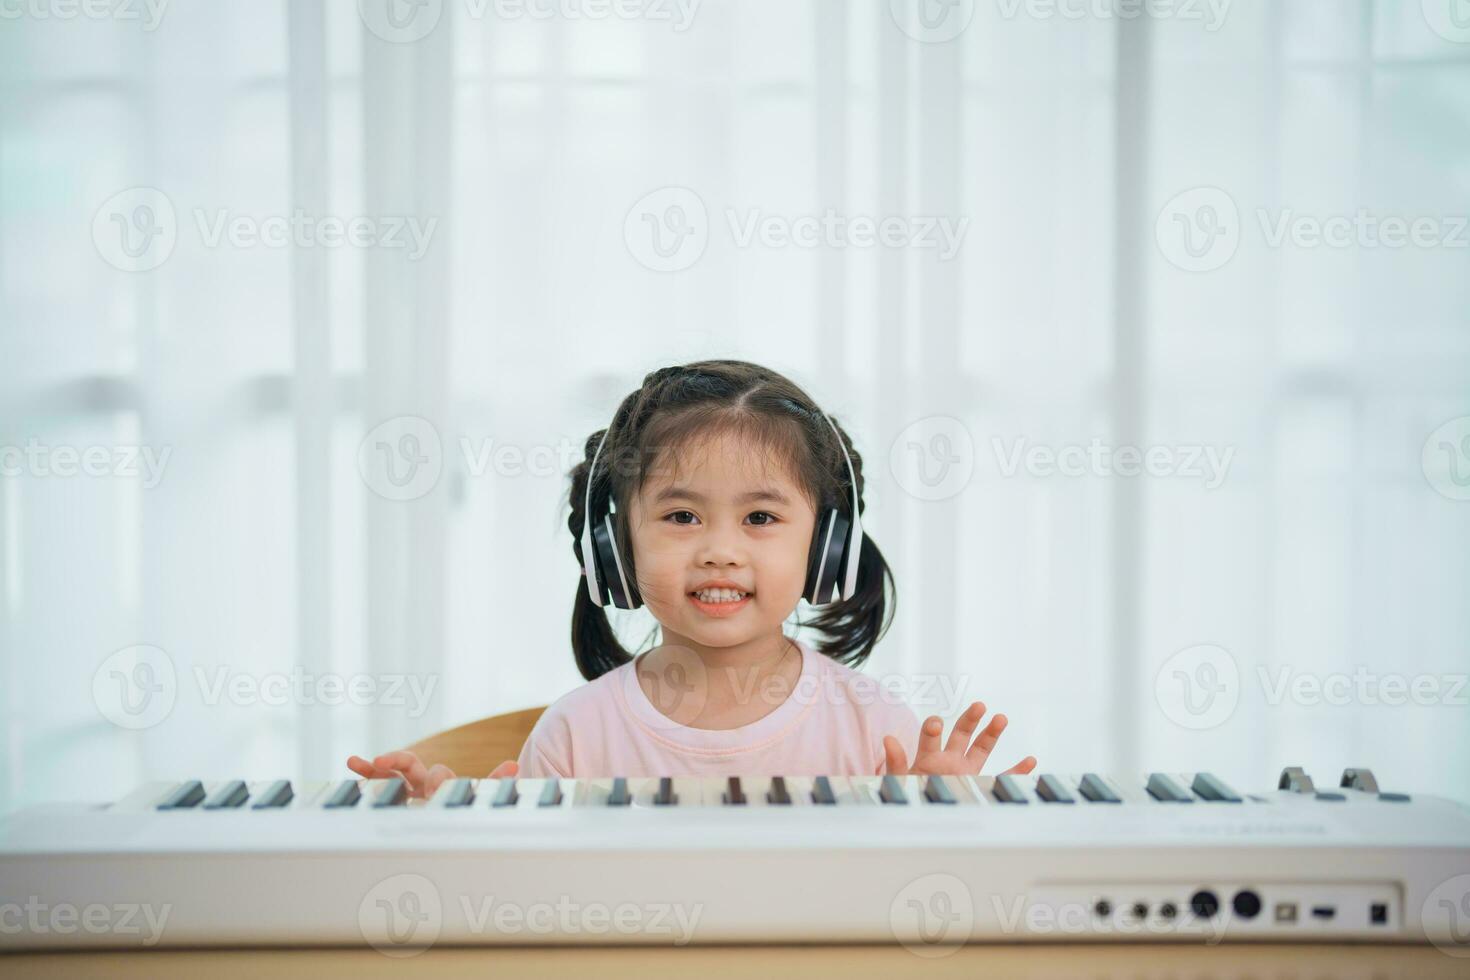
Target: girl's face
(722, 515)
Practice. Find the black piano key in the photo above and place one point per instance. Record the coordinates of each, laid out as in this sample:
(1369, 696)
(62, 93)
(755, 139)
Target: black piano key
(458, 792)
(1214, 789)
(1329, 797)
(1051, 789)
(1095, 789)
(734, 795)
(778, 795)
(1362, 779)
(1394, 797)
(550, 792)
(394, 793)
(506, 794)
(1164, 788)
(936, 790)
(1295, 779)
(890, 790)
(619, 795)
(229, 796)
(345, 795)
(1008, 789)
(183, 796)
(275, 796)
(665, 795)
(822, 792)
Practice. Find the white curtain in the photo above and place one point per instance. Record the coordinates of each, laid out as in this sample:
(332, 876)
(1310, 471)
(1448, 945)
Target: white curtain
(352, 531)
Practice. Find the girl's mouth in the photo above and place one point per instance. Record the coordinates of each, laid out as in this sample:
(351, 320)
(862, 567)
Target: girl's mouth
(719, 603)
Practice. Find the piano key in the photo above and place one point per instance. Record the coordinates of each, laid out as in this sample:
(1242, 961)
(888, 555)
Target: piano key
(734, 795)
(822, 792)
(393, 793)
(228, 797)
(456, 793)
(1214, 789)
(1295, 779)
(665, 795)
(506, 794)
(1095, 789)
(1051, 789)
(343, 796)
(550, 792)
(1008, 790)
(937, 791)
(1362, 779)
(890, 791)
(274, 796)
(185, 795)
(778, 795)
(619, 796)
(1164, 788)
(1394, 797)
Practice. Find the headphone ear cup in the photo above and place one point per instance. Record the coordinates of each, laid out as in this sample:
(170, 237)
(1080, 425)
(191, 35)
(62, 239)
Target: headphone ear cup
(610, 569)
(827, 557)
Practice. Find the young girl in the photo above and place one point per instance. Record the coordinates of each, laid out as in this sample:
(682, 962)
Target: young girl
(723, 479)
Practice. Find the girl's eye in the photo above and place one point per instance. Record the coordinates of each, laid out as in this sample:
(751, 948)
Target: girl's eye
(676, 514)
(769, 518)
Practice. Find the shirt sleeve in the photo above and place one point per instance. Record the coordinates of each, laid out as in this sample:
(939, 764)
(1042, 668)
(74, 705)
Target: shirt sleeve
(548, 748)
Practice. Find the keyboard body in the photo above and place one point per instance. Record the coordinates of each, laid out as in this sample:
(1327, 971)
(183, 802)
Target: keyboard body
(926, 863)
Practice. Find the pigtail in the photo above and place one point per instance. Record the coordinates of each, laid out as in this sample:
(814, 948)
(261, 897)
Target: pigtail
(853, 626)
(594, 644)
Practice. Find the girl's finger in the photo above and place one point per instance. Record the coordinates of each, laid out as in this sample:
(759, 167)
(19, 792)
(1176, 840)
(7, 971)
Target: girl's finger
(1021, 768)
(929, 733)
(505, 770)
(408, 765)
(361, 766)
(964, 728)
(893, 756)
(438, 773)
(980, 751)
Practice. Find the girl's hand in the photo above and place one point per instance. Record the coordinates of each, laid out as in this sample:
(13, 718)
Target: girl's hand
(958, 757)
(421, 781)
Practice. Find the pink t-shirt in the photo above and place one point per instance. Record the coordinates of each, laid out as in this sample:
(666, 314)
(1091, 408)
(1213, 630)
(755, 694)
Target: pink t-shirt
(831, 723)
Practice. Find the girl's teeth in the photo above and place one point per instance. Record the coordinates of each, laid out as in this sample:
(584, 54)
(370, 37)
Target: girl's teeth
(719, 595)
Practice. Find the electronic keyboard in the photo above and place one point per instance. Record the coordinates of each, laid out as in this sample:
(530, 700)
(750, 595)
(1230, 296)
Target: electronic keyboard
(928, 862)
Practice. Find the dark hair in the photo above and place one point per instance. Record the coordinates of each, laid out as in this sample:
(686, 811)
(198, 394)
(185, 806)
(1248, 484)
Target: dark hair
(675, 404)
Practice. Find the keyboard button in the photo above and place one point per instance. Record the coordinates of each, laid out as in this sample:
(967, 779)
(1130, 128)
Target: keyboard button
(619, 795)
(1008, 790)
(550, 792)
(778, 795)
(183, 796)
(229, 796)
(1359, 779)
(734, 795)
(1095, 789)
(1051, 789)
(1327, 797)
(1296, 780)
(822, 791)
(1214, 789)
(891, 791)
(1394, 797)
(274, 796)
(344, 796)
(457, 792)
(506, 794)
(1165, 789)
(665, 795)
(394, 793)
(936, 790)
